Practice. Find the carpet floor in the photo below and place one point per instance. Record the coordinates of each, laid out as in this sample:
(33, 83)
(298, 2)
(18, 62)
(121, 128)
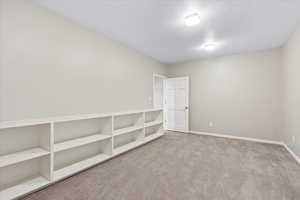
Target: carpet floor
(186, 167)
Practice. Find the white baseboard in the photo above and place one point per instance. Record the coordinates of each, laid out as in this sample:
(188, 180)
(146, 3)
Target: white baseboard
(237, 137)
(291, 152)
(250, 139)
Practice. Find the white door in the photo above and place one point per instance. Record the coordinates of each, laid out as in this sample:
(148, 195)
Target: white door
(176, 108)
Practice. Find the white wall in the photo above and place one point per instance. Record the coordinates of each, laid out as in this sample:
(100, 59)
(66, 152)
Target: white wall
(240, 94)
(1, 62)
(291, 77)
(52, 66)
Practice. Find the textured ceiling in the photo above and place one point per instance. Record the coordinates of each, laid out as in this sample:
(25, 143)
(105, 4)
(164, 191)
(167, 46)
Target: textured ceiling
(156, 27)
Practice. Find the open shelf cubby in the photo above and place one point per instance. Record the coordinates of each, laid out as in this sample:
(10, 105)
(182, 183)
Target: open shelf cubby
(153, 118)
(23, 177)
(73, 160)
(128, 122)
(76, 133)
(24, 159)
(127, 141)
(153, 132)
(23, 143)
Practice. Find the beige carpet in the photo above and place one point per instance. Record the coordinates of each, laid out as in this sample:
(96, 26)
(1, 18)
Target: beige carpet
(186, 167)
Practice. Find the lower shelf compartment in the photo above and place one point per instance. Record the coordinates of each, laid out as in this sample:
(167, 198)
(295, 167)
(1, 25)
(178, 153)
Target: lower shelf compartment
(23, 188)
(79, 166)
(23, 177)
(153, 136)
(127, 147)
(127, 130)
(125, 142)
(77, 159)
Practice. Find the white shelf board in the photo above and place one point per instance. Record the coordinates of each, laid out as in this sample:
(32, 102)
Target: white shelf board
(79, 142)
(23, 123)
(137, 111)
(127, 130)
(153, 136)
(23, 188)
(32, 122)
(22, 156)
(153, 110)
(127, 147)
(79, 166)
(80, 117)
(154, 123)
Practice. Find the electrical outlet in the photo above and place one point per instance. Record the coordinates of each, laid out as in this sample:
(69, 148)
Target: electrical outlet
(211, 124)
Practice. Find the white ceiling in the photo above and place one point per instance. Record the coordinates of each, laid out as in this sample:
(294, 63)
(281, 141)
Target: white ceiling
(156, 27)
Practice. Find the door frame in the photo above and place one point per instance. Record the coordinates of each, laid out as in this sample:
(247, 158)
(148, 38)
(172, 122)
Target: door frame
(153, 87)
(187, 100)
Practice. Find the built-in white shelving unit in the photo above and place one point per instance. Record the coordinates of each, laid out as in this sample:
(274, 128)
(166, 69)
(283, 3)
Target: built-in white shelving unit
(153, 125)
(36, 153)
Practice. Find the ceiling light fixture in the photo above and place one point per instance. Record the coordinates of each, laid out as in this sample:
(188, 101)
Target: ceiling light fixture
(192, 20)
(209, 46)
